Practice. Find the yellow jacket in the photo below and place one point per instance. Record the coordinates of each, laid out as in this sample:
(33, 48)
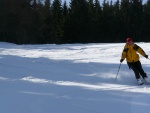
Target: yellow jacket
(130, 53)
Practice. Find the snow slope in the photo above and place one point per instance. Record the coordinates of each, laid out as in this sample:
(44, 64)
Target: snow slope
(77, 78)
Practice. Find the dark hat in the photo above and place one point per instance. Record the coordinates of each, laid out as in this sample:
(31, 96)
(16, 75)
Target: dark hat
(128, 40)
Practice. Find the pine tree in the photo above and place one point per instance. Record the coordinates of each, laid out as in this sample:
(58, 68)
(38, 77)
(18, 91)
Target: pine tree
(98, 21)
(78, 21)
(137, 19)
(46, 23)
(65, 14)
(126, 15)
(56, 21)
(107, 21)
(15, 18)
(117, 23)
(146, 23)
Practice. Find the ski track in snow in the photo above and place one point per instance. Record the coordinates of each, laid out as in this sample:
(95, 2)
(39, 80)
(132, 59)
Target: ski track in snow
(96, 87)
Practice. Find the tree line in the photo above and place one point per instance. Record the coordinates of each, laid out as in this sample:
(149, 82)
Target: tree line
(80, 21)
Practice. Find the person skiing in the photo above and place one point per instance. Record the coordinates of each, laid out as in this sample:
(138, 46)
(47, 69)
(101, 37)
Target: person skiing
(130, 53)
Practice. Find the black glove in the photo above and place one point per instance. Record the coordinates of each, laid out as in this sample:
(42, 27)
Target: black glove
(121, 60)
(146, 56)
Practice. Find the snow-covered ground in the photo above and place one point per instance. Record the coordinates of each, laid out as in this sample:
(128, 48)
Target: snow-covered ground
(77, 78)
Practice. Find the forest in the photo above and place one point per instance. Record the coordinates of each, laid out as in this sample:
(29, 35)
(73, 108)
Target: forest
(80, 21)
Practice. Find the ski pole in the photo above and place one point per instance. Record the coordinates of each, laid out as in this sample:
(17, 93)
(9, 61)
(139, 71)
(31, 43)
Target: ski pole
(118, 71)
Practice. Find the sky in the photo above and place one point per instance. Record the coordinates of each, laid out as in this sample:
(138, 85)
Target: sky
(70, 78)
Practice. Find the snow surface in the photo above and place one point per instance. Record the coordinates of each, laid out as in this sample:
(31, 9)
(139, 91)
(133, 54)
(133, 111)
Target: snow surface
(70, 78)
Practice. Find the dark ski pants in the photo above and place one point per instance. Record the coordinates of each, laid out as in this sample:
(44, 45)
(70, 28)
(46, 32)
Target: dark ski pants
(137, 69)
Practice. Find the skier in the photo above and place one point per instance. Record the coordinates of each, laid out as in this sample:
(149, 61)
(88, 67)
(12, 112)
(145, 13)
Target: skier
(130, 53)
